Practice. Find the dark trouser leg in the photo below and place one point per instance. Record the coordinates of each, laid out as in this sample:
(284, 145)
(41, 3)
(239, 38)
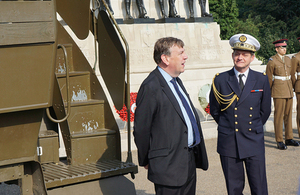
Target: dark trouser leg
(189, 188)
(234, 173)
(256, 173)
(190, 185)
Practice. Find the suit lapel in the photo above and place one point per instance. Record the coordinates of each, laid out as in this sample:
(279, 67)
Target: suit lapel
(248, 87)
(166, 89)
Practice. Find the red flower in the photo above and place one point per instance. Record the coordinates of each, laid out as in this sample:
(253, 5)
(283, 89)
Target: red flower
(207, 109)
(123, 112)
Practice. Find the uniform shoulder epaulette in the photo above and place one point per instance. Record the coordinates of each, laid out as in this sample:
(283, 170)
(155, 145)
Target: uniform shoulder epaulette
(222, 99)
(215, 76)
(271, 59)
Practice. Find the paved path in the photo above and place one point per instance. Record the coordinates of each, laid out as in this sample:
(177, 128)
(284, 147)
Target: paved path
(283, 171)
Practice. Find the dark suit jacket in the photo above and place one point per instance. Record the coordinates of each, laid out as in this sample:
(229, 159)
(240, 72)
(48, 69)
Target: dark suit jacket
(240, 127)
(160, 133)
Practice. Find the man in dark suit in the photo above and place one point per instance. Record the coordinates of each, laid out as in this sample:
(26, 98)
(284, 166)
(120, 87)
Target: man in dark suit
(167, 129)
(240, 102)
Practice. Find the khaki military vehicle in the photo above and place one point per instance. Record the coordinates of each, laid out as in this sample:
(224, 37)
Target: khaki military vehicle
(50, 92)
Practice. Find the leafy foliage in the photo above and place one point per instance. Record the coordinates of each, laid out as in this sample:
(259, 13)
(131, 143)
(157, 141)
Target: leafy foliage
(267, 20)
(225, 14)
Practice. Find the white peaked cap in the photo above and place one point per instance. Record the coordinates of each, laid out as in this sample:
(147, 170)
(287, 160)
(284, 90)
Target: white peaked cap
(244, 42)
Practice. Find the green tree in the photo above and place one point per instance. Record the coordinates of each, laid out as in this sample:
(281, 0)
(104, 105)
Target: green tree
(267, 20)
(225, 13)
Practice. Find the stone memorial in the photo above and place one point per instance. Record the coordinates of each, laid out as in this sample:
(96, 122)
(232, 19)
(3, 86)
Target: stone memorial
(207, 53)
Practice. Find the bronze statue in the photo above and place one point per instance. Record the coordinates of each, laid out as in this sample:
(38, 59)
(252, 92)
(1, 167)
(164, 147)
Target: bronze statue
(141, 8)
(172, 9)
(202, 5)
(102, 7)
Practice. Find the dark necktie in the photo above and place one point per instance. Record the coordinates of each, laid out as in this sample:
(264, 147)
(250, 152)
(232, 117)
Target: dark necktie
(189, 112)
(241, 83)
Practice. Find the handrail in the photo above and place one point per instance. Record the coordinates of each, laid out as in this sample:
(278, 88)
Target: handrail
(129, 155)
(95, 32)
(67, 84)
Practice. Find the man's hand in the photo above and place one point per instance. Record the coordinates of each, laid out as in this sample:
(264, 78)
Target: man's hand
(146, 167)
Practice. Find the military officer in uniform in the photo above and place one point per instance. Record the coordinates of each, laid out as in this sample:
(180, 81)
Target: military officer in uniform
(240, 102)
(279, 74)
(296, 83)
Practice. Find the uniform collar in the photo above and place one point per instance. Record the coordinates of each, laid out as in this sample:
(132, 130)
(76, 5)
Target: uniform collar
(280, 56)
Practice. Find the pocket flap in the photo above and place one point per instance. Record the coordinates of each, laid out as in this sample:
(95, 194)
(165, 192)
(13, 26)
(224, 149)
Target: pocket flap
(158, 152)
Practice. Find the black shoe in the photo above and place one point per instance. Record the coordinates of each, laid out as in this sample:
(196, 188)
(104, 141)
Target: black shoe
(281, 146)
(291, 142)
(205, 14)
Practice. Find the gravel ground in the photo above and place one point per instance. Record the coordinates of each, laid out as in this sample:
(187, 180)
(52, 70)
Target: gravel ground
(283, 171)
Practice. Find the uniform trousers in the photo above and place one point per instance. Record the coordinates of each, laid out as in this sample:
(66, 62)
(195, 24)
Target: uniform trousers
(189, 188)
(298, 112)
(233, 169)
(283, 113)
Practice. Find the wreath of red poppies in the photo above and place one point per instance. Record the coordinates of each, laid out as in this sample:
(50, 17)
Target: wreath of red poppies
(207, 109)
(123, 112)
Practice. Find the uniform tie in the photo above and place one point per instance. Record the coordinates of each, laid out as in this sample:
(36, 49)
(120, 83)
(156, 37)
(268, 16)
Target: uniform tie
(241, 83)
(189, 112)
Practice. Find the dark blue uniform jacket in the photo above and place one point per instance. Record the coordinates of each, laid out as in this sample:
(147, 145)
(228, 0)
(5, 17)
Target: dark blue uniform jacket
(240, 126)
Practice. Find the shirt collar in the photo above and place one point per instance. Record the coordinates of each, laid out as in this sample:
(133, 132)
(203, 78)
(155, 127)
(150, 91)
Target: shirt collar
(166, 76)
(237, 73)
(280, 56)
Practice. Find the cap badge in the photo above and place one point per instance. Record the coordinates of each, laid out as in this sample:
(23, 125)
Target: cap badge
(243, 38)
